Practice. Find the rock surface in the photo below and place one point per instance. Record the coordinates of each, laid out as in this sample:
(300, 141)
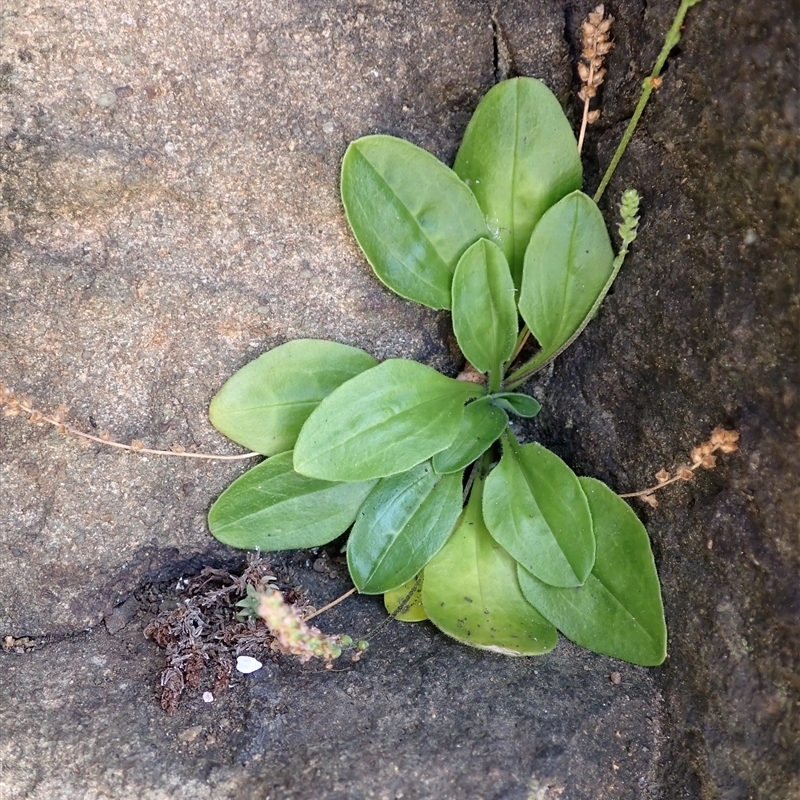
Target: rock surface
(170, 210)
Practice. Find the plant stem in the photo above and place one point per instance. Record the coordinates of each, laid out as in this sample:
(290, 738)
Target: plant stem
(651, 489)
(722, 440)
(517, 378)
(403, 606)
(651, 82)
(520, 375)
(523, 337)
(331, 604)
(629, 211)
(36, 417)
(511, 439)
(477, 474)
(585, 120)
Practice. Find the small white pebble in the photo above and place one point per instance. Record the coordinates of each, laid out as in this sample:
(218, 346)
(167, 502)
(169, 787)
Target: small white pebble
(208, 697)
(107, 100)
(246, 664)
(169, 148)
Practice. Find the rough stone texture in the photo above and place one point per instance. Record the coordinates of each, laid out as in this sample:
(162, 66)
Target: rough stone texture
(418, 717)
(702, 330)
(170, 210)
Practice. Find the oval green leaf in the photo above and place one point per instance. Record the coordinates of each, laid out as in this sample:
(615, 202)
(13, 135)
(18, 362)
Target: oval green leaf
(482, 425)
(519, 157)
(618, 611)
(535, 508)
(409, 596)
(264, 404)
(272, 507)
(382, 422)
(403, 523)
(522, 405)
(484, 308)
(568, 264)
(411, 215)
(470, 592)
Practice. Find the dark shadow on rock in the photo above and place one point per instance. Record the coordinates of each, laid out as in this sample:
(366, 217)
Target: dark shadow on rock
(159, 238)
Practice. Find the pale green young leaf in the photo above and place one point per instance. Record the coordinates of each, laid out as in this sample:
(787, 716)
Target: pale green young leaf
(522, 405)
(568, 264)
(484, 308)
(519, 157)
(409, 595)
(403, 523)
(470, 592)
(264, 404)
(618, 611)
(482, 425)
(535, 508)
(411, 215)
(382, 422)
(272, 507)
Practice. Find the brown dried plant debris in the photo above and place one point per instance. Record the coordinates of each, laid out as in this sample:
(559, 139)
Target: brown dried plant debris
(471, 374)
(596, 44)
(704, 455)
(203, 636)
(23, 644)
(15, 405)
(223, 616)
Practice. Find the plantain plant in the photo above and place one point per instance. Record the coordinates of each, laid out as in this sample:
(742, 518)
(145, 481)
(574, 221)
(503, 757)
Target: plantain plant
(452, 519)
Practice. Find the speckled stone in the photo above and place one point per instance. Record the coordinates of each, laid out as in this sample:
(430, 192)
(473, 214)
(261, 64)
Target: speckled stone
(170, 210)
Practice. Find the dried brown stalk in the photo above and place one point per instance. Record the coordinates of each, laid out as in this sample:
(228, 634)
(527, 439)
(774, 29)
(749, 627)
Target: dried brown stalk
(595, 39)
(722, 441)
(330, 605)
(14, 405)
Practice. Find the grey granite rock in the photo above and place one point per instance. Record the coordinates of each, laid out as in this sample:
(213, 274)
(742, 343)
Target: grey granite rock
(170, 210)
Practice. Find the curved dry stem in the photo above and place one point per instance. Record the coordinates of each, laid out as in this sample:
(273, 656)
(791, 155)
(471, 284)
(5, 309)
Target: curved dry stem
(722, 440)
(331, 604)
(16, 405)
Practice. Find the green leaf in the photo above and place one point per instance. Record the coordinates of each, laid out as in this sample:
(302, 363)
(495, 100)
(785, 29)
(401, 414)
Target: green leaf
(520, 404)
(411, 215)
(567, 266)
(484, 308)
(618, 611)
(414, 610)
(382, 422)
(519, 157)
(403, 523)
(481, 426)
(535, 508)
(272, 507)
(470, 592)
(264, 404)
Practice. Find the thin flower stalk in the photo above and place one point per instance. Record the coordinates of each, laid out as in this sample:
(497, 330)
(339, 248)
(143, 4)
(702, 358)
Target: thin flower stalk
(704, 455)
(14, 405)
(651, 82)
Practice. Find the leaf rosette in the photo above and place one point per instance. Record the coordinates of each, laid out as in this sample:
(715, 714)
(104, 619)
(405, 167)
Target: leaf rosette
(396, 450)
